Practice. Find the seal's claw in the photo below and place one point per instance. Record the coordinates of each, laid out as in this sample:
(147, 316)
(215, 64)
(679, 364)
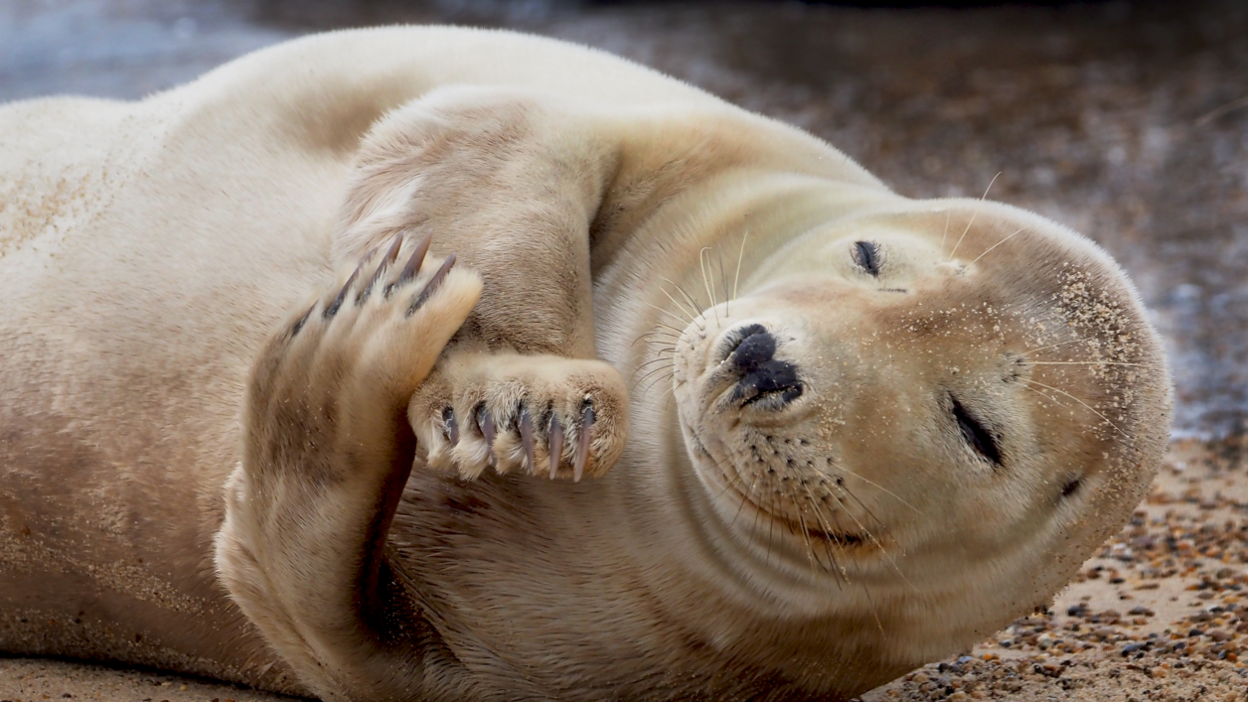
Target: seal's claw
(392, 254)
(485, 423)
(556, 445)
(451, 426)
(582, 448)
(332, 308)
(412, 269)
(433, 285)
(525, 426)
(303, 319)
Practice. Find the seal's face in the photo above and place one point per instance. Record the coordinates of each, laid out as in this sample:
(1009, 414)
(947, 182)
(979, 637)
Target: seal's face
(929, 424)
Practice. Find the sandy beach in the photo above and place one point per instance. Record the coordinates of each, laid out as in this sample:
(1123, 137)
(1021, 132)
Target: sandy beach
(1126, 121)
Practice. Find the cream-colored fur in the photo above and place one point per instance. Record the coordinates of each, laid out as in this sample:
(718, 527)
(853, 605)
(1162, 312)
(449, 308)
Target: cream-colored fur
(244, 417)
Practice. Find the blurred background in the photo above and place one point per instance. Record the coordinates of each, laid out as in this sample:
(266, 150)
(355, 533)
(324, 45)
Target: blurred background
(1126, 120)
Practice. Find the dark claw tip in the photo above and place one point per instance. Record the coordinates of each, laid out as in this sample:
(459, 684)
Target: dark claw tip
(391, 254)
(582, 445)
(434, 283)
(416, 260)
(303, 319)
(334, 306)
(485, 423)
(452, 427)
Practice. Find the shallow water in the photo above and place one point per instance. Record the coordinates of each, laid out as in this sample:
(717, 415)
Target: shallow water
(1100, 116)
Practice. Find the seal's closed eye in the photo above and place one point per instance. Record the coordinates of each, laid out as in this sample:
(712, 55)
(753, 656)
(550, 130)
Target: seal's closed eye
(1071, 486)
(867, 255)
(982, 440)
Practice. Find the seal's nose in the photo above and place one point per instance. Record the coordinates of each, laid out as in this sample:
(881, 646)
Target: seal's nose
(754, 347)
(765, 380)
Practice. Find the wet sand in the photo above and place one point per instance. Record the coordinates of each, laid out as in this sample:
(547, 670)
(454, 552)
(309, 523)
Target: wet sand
(1128, 122)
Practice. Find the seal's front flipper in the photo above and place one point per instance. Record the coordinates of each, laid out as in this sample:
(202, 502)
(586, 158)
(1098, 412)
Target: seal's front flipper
(545, 415)
(327, 450)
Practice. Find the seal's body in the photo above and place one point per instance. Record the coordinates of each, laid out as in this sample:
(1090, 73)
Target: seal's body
(847, 432)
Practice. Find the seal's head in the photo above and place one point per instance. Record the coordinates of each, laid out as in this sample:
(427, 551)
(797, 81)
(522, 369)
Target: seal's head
(925, 420)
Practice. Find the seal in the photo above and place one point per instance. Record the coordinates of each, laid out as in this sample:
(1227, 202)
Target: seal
(833, 432)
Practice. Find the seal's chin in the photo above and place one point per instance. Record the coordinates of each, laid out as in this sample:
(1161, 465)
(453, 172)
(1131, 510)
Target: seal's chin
(747, 509)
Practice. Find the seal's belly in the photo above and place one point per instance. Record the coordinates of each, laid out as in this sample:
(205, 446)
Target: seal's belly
(138, 283)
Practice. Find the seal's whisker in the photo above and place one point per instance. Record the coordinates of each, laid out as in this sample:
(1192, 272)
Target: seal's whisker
(973, 215)
(875, 485)
(661, 377)
(740, 257)
(969, 222)
(692, 315)
(1054, 400)
(990, 248)
(827, 528)
(811, 553)
(703, 264)
(658, 369)
(1085, 363)
(665, 341)
(1131, 445)
(660, 356)
(646, 390)
(754, 529)
(874, 612)
(810, 547)
(663, 334)
(727, 469)
(665, 325)
(660, 364)
(1092, 409)
(745, 497)
(733, 478)
(651, 362)
(946, 232)
(665, 400)
(723, 282)
(696, 306)
(671, 314)
(861, 504)
(667, 363)
(666, 335)
(771, 526)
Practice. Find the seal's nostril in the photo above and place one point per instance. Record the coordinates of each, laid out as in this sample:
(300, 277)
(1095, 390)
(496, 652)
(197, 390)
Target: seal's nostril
(774, 382)
(733, 339)
(754, 350)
